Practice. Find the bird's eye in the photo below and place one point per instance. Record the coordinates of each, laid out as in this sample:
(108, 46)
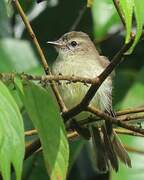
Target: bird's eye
(73, 43)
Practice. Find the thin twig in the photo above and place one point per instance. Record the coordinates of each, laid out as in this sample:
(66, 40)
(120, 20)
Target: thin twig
(31, 132)
(41, 54)
(32, 147)
(93, 89)
(134, 150)
(35, 145)
(131, 117)
(114, 120)
(116, 3)
(130, 111)
(78, 19)
(127, 132)
(47, 78)
(74, 134)
(119, 118)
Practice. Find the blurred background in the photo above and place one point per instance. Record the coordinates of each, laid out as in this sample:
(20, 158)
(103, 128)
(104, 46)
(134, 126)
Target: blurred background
(50, 19)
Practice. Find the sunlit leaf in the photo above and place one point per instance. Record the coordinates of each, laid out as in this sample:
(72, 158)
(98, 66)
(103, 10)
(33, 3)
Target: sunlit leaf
(134, 98)
(127, 11)
(128, 8)
(105, 17)
(16, 55)
(11, 135)
(139, 15)
(89, 3)
(45, 116)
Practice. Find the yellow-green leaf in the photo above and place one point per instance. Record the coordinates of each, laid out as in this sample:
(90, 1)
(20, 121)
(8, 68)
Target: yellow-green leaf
(12, 144)
(44, 113)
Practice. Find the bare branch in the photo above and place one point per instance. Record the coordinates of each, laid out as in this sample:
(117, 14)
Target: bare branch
(41, 54)
(134, 150)
(78, 19)
(31, 132)
(130, 111)
(47, 78)
(32, 147)
(115, 121)
(128, 132)
(131, 117)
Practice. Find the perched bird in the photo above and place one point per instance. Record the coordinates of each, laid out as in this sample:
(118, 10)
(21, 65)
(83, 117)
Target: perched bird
(77, 56)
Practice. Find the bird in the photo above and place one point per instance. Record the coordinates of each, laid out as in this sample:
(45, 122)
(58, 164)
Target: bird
(78, 56)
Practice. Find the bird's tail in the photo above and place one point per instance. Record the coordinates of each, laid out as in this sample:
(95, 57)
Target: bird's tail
(108, 149)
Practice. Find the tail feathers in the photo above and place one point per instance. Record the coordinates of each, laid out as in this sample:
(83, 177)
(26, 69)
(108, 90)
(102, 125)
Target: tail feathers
(110, 149)
(120, 150)
(102, 163)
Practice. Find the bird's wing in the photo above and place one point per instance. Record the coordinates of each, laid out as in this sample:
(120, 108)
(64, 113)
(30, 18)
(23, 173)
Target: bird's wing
(105, 62)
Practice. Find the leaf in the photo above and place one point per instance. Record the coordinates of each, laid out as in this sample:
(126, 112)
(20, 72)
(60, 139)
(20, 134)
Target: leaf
(135, 95)
(127, 10)
(128, 7)
(34, 168)
(46, 118)
(133, 98)
(89, 3)
(75, 148)
(5, 29)
(16, 55)
(105, 17)
(139, 15)
(11, 135)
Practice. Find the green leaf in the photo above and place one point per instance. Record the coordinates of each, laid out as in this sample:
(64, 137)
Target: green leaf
(5, 29)
(128, 7)
(45, 116)
(127, 10)
(75, 148)
(133, 98)
(34, 168)
(16, 55)
(89, 3)
(11, 135)
(104, 17)
(139, 15)
(135, 95)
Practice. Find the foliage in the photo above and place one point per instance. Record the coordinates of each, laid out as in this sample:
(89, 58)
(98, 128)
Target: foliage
(25, 104)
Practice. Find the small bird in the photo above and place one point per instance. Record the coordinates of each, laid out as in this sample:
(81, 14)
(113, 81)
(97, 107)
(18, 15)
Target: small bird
(77, 56)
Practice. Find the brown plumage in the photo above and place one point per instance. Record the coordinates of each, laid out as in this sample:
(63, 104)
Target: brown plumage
(78, 56)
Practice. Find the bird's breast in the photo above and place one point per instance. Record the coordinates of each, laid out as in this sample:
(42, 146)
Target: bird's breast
(73, 93)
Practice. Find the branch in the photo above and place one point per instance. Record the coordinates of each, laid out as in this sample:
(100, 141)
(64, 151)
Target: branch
(119, 118)
(32, 147)
(134, 150)
(78, 19)
(127, 132)
(114, 120)
(31, 132)
(41, 54)
(74, 134)
(47, 78)
(130, 111)
(116, 3)
(100, 79)
(131, 117)
(35, 145)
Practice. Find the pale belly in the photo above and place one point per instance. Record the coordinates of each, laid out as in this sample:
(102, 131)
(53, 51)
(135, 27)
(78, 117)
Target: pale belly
(73, 93)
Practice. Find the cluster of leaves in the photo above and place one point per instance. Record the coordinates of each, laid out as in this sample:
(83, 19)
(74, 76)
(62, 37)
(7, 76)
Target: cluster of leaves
(23, 101)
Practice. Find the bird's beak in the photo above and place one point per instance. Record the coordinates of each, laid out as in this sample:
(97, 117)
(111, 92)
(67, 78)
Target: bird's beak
(56, 43)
